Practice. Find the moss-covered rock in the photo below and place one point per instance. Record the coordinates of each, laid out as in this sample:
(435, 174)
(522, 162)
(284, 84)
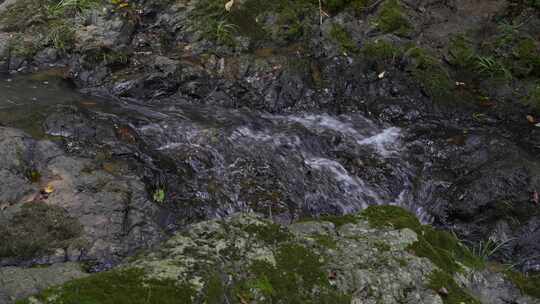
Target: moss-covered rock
(36, 230)
(382, 255)
(392, 19)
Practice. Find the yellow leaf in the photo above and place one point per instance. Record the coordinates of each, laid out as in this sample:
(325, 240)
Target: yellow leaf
(48, 189)
(229, 5)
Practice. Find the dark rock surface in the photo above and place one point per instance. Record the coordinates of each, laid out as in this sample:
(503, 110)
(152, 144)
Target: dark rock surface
(87, 213)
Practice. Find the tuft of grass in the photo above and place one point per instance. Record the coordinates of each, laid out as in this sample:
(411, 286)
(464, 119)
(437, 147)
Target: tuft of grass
(492, 68)
(73, 7)
(225, 32)
(61, 36)
(486, 249)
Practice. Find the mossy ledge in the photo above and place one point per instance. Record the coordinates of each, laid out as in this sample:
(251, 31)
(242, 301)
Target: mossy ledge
(383, 251)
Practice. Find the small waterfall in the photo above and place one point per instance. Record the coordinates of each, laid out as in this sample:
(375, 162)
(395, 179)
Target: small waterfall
(317, 162)
(219, 161)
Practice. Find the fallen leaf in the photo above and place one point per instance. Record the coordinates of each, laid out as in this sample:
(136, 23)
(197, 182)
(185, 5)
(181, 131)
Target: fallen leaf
(229, 5)
(88, 103)
(49, 189)
(443, 291)
(535, 197)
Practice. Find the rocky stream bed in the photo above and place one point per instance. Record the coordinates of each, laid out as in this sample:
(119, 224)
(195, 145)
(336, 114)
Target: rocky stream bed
(207, 151)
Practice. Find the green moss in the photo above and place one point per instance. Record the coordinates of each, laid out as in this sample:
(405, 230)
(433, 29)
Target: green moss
(297, 277)
(391, 19)
(529, 285)
(434, 78)
(36, 230)
(533, 98)
(441, 247)
(269, 233)
(341, 220)
(382, 246)
(461, 52)
(326, 241)
(390, 216)
(456, 294)
(214, 290)
(293, 20)
(118, 287)
(444, 250)
(402, 262)
(380, 50)
(341, 36)
(159, 195)
(527, 54)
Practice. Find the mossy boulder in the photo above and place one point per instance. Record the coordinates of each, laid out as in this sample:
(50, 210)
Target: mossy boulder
(372, 257)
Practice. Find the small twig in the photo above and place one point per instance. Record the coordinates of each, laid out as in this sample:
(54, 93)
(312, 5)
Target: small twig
(320, 13)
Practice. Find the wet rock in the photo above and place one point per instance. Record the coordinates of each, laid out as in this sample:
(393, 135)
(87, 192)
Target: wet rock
(484, 189)
(113, 211)
(494, 288)
(105, 33)
(47, 56)
(4, 52)
(17, 283)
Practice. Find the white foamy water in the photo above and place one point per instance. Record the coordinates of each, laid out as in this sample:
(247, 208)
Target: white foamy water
(354, 187)
(386, 141)
(249, 133)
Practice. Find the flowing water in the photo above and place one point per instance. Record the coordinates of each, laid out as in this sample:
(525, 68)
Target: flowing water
(216, 161)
